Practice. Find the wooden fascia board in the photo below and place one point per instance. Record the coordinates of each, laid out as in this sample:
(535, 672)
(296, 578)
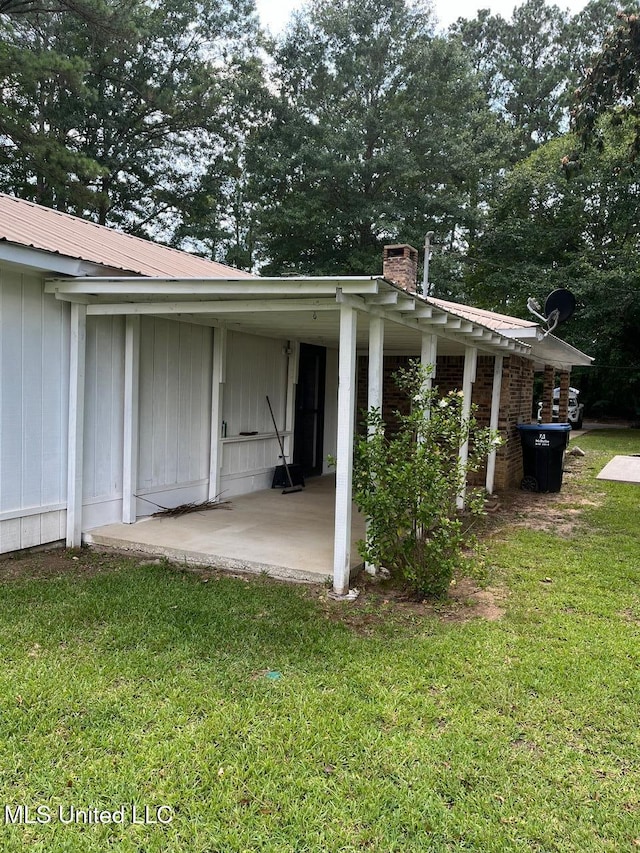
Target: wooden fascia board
(210, 287)
(213, 307)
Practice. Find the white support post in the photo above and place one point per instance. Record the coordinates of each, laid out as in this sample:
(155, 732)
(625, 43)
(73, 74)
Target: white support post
(218, 378)
(292, 383)
(493, 420)
(375, 382)
(376, 363)
(344, 450)
(428, 355)
(131, 419)
(78, 347)
(469, 377)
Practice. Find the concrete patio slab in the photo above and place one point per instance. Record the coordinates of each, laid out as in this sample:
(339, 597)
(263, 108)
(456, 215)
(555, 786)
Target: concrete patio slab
(286, 536)
(622, 469)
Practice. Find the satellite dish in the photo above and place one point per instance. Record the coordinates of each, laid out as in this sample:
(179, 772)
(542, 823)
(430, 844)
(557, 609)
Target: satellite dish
(562, 301)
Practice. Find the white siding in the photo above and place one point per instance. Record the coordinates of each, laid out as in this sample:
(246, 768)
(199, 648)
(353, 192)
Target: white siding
(175, 405)
(103, 416)
(34, 387)
(256, 367)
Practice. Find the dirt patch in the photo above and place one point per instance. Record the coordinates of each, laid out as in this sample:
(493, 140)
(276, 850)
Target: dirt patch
(559, 513)
(380, 603)
(46, 564)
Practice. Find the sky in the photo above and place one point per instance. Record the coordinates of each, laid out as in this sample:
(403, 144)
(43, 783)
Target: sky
(275, 13)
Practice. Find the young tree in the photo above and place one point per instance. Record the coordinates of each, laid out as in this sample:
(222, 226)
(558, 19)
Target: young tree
(407, 484)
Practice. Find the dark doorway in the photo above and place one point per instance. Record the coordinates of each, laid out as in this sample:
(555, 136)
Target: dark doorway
(308, 435)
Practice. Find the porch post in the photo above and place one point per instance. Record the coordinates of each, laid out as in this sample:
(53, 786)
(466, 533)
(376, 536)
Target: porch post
(468, 378)
(547, 393)
(131, 410)
(218, 371)
(75, 445)
(494, 419)
(428, 357)
(376, 382)
(563, 402)
(344, 450)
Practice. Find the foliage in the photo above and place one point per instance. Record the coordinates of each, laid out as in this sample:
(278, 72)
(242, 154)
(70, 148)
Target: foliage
(611, 86)
(117, 127)
(378, 132)
(547, 232)
(524, 67)
(407, 485)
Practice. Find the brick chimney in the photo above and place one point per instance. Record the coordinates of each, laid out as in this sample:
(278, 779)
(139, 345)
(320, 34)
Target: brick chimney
(400, 265)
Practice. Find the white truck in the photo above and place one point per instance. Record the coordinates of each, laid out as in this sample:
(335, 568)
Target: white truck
(575, 412)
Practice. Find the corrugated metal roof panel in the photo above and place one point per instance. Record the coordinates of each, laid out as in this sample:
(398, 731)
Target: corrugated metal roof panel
(491, 319)
(28, 224)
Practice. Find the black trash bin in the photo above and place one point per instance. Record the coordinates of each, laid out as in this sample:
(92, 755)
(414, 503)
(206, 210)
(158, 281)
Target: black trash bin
(543, 447)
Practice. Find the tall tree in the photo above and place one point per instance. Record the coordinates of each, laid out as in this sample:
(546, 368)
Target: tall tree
(116, 128)
(370, 136)
(546, 232)
(525, 68)
(611, 86)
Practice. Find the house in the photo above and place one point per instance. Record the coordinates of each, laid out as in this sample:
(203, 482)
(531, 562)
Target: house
(134, 375)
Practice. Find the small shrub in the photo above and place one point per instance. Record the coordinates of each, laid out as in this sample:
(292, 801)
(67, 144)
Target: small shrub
(408, 483)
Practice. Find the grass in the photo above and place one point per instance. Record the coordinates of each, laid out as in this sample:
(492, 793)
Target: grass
(141, 684)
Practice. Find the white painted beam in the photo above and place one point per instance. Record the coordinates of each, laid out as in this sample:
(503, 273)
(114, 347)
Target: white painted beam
(141, 286)
(75, 446)
(218, 378)
(375, 383)
(493, 420)
(468, 378)
(344, 451)
(131, 419)
(390, 298)
(428, 355)
(215, 307)
(422, 312)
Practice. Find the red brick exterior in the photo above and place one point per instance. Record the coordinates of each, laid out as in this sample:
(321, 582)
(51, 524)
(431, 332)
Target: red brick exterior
(549, 383)
(400, 265)
(563, 402)
(516, 400)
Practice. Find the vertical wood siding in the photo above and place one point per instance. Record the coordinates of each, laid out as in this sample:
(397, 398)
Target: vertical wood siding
(34, 388)
(256, 366)
(175, 403)
(103, 416)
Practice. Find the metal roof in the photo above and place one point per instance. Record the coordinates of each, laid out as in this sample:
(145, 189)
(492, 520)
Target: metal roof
(176, 281)
(491, 319)
(24, 223)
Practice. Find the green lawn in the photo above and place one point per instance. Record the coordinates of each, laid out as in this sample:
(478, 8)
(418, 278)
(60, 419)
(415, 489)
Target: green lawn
(145, 685)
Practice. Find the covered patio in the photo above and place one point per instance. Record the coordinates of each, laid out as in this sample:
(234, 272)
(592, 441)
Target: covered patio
(285, 536)
(313, 532)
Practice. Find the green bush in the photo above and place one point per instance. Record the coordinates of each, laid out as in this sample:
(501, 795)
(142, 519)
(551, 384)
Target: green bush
(407, 484)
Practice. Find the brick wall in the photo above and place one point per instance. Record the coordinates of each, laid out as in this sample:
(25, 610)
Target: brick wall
(516, 400)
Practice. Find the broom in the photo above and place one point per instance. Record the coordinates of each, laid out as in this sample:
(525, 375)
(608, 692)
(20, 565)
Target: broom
(290, 488)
